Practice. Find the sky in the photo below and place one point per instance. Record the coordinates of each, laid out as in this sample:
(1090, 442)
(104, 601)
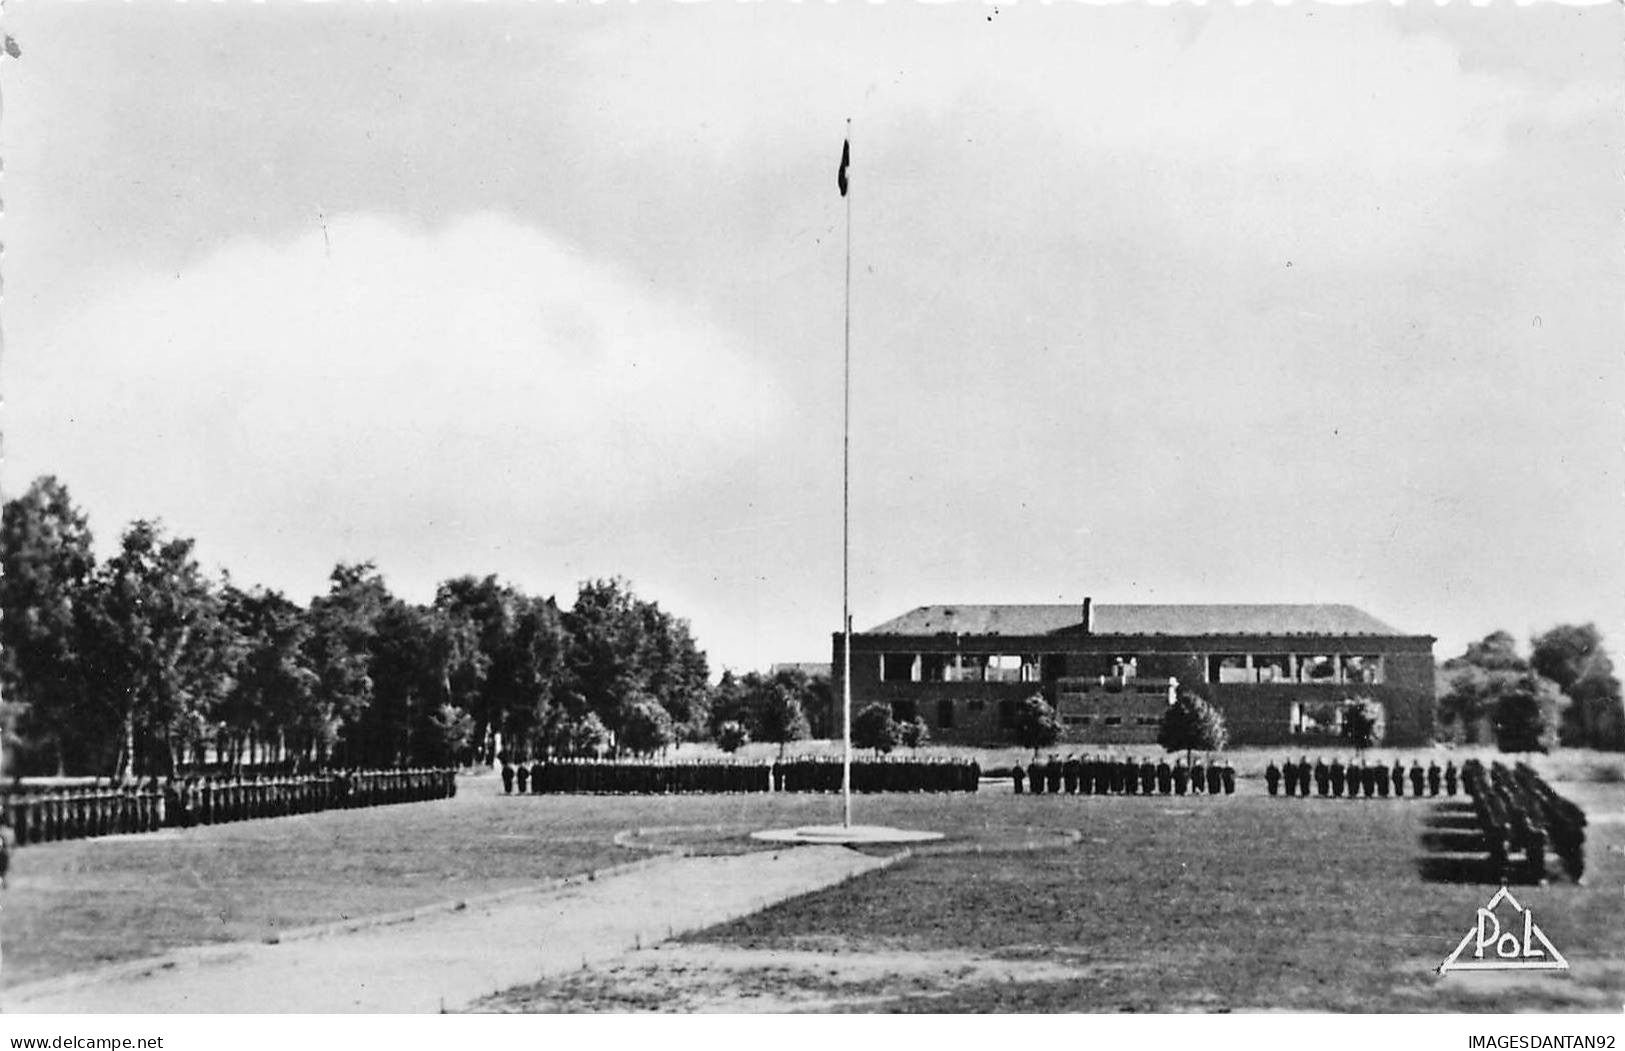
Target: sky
(1149, 304)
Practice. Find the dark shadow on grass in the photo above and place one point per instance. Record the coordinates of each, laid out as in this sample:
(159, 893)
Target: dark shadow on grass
(1457, 868)
(1453, 841)
(1455, 850)
(1451, 822)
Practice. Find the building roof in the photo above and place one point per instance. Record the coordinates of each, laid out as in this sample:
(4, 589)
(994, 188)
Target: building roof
(1137, 620)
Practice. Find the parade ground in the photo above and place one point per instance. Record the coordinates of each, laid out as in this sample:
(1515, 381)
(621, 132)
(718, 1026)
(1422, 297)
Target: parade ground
(1243, 902)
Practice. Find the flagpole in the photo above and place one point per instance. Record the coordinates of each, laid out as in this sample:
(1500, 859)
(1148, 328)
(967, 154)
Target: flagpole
(846, 520)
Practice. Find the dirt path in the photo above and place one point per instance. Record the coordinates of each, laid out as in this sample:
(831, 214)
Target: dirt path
(446, 960)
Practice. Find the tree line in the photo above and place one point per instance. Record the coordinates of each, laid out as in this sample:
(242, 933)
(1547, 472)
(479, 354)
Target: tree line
(1564, 692)
(143, 663)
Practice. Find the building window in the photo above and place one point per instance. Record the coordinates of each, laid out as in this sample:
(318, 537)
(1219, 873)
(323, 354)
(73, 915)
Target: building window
(934, 667)
(1272, 667)
(1004, 667)
(1228, 668)
(1148, 720)
(1114, 720)
(1007, 715)
(1362, 669)
(1317, 669)
(975, 704)
(966, 668)
(945, 715)
(1074, 720)
(897, 667)
(903, 711)
(1316, 718)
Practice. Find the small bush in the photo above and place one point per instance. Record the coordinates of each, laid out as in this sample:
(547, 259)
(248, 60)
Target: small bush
(732, 736)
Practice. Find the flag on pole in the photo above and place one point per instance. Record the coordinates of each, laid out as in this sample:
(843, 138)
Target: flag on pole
(846, 160)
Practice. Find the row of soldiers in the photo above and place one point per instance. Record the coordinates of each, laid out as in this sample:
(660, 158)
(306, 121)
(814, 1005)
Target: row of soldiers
(936, 774)
(1123, 775)
(1519, 812)
(1358, 779)
(643, 777)
(633, 777)
(150, 804)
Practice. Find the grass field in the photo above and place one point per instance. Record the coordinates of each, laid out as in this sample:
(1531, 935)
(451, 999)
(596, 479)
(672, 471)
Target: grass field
(1245, 903)
(1128, 904)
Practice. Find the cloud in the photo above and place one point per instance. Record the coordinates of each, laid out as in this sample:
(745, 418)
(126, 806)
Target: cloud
(382, 379)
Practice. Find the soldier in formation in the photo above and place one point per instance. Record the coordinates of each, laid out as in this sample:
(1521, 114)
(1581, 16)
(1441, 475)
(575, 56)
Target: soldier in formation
(148, 804)
(1358, 778)
(1127, 775)
(1518, 812)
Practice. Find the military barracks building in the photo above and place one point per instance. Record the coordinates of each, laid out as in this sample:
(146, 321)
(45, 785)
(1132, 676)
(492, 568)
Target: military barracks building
(1280, 674)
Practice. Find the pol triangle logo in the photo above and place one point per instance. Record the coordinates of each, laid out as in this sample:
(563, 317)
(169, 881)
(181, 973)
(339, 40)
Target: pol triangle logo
(1520, 946)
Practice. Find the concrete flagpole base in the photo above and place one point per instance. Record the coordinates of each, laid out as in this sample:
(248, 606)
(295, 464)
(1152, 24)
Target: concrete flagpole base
(845, 835)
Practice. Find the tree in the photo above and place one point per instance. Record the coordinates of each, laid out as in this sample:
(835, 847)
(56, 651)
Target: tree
(732, 736)
(1572, 656)
(526, 674)
(1035, 725)
(647, 727)
(1497, 651)
(344, 623)
(1600, 709)
(619, 645)
(48, 568)
(1526, 715)
(402, 660)
(1362, 723)
(161, 654)
(873, 727)
(778, 716)
(729, 703)
(422, 657)
(1477, 679)
(577, 735)
(273, 691)
(914, 732)
(676, 672)
(451, 730)
(1191, 724)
